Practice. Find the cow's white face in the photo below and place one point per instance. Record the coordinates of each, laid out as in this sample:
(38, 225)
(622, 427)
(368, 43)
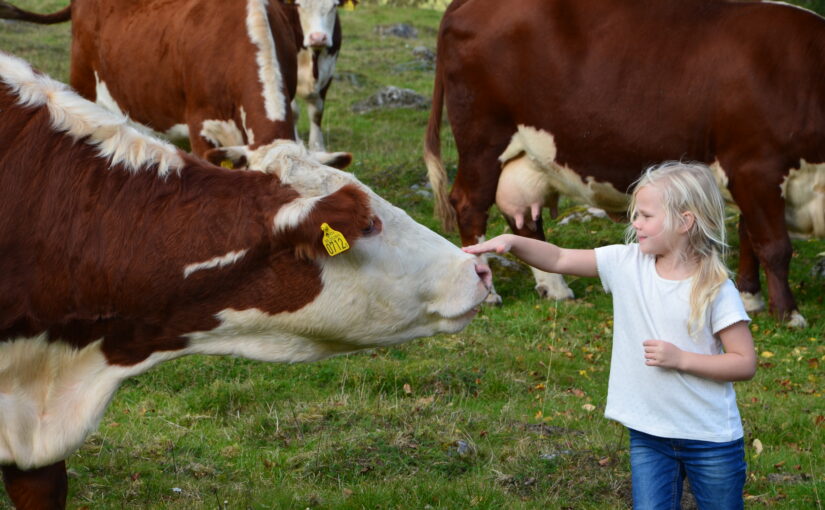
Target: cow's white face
(317, 21)
(401, 282)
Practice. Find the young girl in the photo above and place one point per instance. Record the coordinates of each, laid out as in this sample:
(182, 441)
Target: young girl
(680, 336)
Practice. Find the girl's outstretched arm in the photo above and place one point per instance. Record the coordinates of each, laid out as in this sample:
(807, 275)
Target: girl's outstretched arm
(737, 363)
(541, 255)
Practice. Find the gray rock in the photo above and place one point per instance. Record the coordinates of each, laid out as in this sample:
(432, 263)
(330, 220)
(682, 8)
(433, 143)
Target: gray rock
(818, 271)
(424, 53)
(583, 216)
(354, 79)
(402, 30)
(392, 97)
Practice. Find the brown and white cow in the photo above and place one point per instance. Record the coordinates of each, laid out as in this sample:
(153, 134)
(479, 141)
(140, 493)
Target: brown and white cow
(321, 29)
(584, 94)
(120, 252)
(218, 73)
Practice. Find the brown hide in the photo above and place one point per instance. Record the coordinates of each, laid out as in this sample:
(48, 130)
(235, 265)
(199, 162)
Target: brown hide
(93, 251)
(624, 84)
(168, 63)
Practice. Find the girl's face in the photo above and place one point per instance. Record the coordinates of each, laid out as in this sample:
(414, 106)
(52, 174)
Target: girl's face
(649, 222)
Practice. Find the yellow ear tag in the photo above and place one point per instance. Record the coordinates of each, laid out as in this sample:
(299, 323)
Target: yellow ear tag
(334, 241)
(227, 163)
(349, 5)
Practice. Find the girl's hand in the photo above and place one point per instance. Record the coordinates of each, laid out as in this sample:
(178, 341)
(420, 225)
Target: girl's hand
(659, 353)
(500, 244)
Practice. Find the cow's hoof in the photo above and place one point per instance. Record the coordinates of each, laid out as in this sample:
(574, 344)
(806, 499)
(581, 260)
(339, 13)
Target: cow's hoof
(797, 321)
(492, 299)
(752, 302)
(555, 293)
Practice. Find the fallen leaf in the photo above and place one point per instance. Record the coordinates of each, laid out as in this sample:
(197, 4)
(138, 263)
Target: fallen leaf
(407, 388)
(767, 354)
(757, 447)
(589, 407)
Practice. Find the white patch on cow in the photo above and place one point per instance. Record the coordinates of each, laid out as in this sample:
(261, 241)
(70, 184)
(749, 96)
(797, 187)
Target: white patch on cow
(317, 21)
(178, 132)
(722, 181)
(293, 214)
(104, 98)
(551, 285)
(221, 133)
(540, 147)
(752, 302)
(269, 70)
(53, 395)
(113, 135)
(403, 282)
(215, 262)
(797, 320)
(804, 193)
(250, 135)
(306, 76)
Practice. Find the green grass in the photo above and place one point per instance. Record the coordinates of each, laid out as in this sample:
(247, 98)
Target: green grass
(496, 416)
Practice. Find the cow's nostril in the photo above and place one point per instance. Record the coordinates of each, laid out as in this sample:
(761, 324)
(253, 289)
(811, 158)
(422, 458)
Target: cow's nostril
(483, 271)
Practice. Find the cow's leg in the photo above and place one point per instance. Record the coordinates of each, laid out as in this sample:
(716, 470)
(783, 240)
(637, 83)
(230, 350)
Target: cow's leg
(296, 114)
(315, 111)
(473, 193)
(747, 280)
(548, 285)
(763, 214)
(42, 488)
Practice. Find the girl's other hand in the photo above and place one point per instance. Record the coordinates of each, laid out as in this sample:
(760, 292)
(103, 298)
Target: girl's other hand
(659, 353)
(500, 244)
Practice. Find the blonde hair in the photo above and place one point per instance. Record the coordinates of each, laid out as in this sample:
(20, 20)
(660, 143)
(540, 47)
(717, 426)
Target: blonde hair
(691, 187)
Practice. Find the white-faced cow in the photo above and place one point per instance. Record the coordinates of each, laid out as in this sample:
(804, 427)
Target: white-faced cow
(120, 252)
(581, 95)
(218, 73)
(321, 29)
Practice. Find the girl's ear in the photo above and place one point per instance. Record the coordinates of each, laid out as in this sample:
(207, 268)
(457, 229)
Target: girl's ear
(688, 219)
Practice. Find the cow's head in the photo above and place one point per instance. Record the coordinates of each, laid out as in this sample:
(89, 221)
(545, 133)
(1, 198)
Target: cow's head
(397, 280)
(318, 19)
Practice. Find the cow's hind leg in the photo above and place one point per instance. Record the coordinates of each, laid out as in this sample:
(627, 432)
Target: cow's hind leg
(763, 215)
(747, 279)
(315, 111)
(473, 193)
(42, 488)
(548, 285)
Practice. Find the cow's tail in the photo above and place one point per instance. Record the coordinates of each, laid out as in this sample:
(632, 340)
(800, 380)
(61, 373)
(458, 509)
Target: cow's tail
(8, 11)
(432, 158)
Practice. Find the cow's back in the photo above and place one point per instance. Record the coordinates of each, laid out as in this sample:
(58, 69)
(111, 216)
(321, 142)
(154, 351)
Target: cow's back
(164, 63)
(623, 83)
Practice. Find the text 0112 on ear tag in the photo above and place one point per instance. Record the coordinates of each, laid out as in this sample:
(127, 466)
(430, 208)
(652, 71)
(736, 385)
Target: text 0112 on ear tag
(334, 241)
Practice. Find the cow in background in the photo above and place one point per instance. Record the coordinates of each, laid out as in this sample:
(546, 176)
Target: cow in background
(215, 73)
(579, 96)
(321, 43)
(121, 252)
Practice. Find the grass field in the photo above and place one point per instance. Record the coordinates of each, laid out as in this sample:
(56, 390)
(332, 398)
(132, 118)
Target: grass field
(506, 414)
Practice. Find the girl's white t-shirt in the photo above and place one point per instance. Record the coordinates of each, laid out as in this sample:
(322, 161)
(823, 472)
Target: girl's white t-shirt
(660, 401)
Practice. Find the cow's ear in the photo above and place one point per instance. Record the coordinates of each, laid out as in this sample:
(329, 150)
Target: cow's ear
(227, 157)
(339, 160)
(338, 220)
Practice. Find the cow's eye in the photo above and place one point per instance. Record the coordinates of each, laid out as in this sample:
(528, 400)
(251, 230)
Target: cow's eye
(372, 228)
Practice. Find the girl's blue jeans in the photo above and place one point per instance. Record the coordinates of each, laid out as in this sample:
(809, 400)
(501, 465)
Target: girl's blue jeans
(715, 471)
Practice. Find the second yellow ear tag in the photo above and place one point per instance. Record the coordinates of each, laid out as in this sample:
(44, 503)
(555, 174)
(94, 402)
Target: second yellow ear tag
(349, 5)
(334, 241)
(227, 163)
